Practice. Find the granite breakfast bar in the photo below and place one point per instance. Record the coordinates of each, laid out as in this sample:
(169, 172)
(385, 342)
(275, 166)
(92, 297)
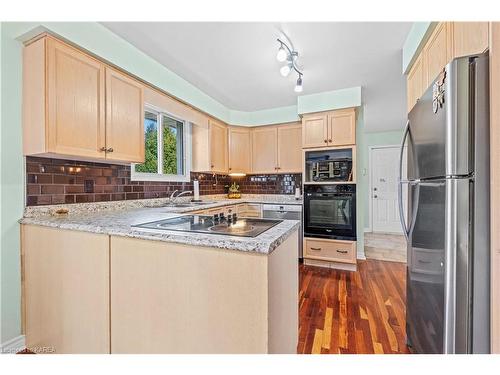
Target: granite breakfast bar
(95, 284)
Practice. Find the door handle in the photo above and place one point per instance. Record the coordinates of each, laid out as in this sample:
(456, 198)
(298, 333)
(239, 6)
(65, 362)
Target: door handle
(400, 182)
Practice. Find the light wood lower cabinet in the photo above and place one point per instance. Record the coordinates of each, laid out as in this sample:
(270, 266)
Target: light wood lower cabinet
(171, 298)
(250, 210)
(66, 290)
(330, 250)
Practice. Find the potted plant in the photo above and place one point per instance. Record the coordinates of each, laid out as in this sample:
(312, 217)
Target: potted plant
(234, 191)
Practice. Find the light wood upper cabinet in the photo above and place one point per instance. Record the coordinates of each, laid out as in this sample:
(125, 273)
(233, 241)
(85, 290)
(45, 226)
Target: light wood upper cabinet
(469, 38)
(63, 101)
(76, 106)
(75, 113)
(334, 128)
(342, 127)
(448, 41)
(264, 149)
(124, 117)
(290, 148)
(239, 150)
(210, 147)
(415, 84)
(314, 130)
(218, 147)
(438, 51)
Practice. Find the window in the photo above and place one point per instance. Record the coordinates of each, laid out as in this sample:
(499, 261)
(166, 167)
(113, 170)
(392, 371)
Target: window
(165, 149)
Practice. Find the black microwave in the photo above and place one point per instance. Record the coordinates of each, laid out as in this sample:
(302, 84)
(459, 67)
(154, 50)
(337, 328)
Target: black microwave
(332, 170)
(333, 165)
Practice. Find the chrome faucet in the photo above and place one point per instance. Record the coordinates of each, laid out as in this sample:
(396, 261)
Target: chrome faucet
(174, 197)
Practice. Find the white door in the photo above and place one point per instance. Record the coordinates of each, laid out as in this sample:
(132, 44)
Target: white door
(384, 189)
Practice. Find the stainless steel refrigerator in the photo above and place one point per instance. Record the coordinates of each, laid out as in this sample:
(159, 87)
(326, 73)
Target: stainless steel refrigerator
(446, 221)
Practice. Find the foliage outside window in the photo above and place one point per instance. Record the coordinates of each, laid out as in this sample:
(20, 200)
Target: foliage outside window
(165, 149)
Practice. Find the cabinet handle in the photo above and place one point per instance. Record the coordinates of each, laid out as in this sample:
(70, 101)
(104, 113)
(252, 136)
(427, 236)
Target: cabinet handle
(212, 166)
(330, 140)
(109, 149)
(342, 251)
(326, 140)
(229, 168)
(316, 248)
(102, 149)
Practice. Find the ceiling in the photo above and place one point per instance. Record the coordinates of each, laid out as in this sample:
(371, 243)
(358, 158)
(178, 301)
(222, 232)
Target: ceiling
(235, 63)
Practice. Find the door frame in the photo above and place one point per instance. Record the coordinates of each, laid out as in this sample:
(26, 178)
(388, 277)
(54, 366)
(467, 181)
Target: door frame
(369, 227)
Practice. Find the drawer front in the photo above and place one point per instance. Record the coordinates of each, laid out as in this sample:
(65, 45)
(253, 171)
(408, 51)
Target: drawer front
(337, 251)
(250, 210)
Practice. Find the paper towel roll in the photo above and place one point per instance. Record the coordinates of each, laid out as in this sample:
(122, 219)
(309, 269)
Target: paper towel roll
(297, 193)
(196, 186)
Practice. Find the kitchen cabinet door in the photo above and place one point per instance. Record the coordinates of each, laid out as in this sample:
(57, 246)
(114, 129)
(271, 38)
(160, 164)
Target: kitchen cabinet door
(314, 130)
(239, 150)
(264, 149)
(342, 127)
(438, 51)
(415, 84)
(290, 148)
(74, 100)
(124, 118)
(66, 290)
(469, 38)
(218, 147)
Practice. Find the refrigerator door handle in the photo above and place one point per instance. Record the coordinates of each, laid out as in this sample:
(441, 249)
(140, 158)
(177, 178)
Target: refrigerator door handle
(401, 182)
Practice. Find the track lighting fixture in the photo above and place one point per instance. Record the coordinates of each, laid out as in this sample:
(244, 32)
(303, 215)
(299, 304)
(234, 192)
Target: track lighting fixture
(285, 53)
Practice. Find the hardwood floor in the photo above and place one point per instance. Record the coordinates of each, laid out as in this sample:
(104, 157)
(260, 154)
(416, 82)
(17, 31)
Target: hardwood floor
(353, 312)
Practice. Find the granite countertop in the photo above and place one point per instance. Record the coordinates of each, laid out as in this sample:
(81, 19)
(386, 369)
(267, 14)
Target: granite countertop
(117, 220)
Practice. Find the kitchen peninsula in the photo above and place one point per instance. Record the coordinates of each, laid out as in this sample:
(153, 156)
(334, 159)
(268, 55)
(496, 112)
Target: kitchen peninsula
(93, 283)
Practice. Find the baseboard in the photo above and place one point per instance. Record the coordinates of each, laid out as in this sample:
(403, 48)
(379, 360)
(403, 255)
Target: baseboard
(14, 345)
(361, 256)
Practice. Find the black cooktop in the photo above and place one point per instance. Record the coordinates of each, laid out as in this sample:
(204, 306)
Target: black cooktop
(244, 227)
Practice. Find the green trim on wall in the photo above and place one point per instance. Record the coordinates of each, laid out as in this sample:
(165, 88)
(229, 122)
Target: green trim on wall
(266, 116)
(414, 42)
(325, 101)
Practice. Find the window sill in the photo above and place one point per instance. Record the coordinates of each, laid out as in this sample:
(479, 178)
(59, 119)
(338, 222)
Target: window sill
(159, 177)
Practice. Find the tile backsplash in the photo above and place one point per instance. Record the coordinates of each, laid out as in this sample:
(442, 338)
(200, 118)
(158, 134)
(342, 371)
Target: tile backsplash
(55, 181)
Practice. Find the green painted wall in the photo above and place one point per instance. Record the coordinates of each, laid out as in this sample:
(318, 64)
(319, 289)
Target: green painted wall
(12, 182)
(324, 101)
(413, 44)
(365, 140)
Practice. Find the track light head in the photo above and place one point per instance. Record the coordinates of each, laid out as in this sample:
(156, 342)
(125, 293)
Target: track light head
(281, 55)
(298, 86)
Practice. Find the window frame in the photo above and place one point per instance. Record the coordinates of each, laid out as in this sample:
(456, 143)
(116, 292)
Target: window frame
(186, 148)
